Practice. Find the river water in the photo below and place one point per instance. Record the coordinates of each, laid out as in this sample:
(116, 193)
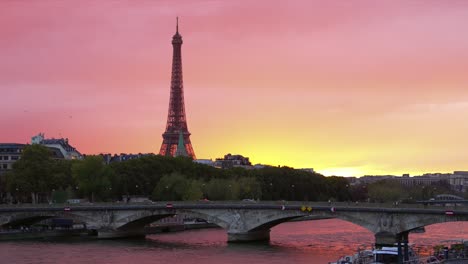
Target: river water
(317, 241)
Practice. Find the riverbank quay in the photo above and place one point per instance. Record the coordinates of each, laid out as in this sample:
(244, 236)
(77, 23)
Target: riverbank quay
(44, 234)
(456, 261)
(33, 234)
(165, 228)
(41, 234)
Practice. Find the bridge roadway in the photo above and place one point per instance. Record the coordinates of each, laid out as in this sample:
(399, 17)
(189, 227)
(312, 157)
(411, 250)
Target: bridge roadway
(243, 221)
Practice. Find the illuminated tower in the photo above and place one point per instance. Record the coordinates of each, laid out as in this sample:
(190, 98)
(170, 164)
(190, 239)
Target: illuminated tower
(176, 120)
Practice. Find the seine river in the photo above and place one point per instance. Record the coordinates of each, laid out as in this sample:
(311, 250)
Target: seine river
(318, 241)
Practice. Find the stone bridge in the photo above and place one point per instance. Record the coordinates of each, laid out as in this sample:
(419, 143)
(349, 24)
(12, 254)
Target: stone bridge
(242, 221)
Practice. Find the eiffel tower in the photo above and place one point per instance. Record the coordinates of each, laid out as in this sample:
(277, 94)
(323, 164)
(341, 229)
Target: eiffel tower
(176, 127)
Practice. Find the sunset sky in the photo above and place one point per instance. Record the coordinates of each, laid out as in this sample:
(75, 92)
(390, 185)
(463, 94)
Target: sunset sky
(344, 87)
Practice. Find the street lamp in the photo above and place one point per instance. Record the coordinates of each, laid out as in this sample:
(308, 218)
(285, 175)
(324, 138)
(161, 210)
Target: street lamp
(271, 191)
(17, 194)
(292, 192)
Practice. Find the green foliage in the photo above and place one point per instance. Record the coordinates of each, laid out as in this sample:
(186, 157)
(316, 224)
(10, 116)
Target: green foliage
(32, 174)
(164, 178)
(61, 175)
(93, 177)
(249, 188)
(193, 191)
(222, 189)
(338, 188)
(60, 196)
(386, 191)
(284, 183)
(359, 192)
(177, 187)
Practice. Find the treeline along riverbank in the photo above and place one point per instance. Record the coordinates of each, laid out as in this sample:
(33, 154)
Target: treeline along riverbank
(38, 178)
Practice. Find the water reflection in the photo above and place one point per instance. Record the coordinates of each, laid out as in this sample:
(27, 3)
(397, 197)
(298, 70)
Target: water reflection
(318, 241)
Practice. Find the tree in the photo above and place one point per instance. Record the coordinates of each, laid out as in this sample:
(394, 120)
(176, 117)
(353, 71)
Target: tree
(93, 177)
(32, 172)
(386, 191)
(338, 188)
(193, 191)
(61, 175)
(222, 189)
(176, 187)
(249, 187)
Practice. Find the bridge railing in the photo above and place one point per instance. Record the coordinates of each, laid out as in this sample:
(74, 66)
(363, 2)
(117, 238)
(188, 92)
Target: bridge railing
(286, 203)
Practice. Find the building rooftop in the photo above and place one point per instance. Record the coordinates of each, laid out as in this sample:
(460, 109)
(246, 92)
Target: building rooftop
(60, 141)
(11, 145)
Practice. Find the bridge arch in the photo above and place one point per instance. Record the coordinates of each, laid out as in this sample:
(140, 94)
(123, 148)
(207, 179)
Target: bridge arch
(389, 227)
(414, 223)
(139, 222)
(244, 224)
(25, 221)
(29, 218)
(447, 197)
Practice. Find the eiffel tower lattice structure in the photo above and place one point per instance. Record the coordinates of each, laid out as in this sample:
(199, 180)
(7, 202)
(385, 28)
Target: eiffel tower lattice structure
(176, 119)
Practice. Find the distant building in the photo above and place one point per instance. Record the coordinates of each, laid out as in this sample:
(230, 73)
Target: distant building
(109, 158)
(230, 161)
(421, 180)
(260, 166)
(9, 154)
(459, 181)
(373, 178)
(60, 147)
(311, 170)
(208, 162)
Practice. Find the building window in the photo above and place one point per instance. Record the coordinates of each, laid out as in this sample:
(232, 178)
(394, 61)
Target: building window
(14, 157)
(4, 166)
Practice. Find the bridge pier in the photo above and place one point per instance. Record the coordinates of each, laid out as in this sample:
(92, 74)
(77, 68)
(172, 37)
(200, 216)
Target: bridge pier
(405, 240)
(390, 239)
(259, 235)
(385, 239)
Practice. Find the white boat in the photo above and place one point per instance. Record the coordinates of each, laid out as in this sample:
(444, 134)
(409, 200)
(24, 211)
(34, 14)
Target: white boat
(389, 255)
(362, 257)
(384, 255)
